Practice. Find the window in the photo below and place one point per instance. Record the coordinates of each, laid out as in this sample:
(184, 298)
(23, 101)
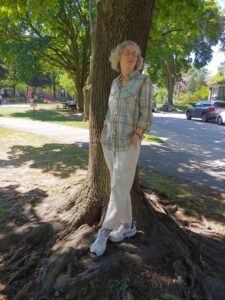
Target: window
(219, 104)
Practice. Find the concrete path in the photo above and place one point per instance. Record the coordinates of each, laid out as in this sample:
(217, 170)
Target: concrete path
(60, 133)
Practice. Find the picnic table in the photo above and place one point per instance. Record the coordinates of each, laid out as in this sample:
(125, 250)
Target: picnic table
(66, 106)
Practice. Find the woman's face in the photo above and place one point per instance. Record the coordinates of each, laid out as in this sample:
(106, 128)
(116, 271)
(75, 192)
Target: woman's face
(128, 57)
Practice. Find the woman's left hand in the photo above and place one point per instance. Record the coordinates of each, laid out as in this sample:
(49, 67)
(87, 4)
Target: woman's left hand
(135, 140)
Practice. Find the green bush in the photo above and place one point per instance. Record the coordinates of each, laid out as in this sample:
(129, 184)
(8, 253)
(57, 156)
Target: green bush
(160, 96)
(189, 98)
(202, 93)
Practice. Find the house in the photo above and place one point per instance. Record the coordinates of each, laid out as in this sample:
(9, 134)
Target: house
(183, 83)
(217, 91)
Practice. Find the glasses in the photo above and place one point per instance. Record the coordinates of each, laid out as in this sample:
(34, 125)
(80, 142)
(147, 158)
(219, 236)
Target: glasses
(128, 53)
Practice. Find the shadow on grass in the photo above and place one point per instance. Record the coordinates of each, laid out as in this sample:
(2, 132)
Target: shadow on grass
(47, 116)
(58, 159)
(195, 202)
(22, 233)
(17, 209)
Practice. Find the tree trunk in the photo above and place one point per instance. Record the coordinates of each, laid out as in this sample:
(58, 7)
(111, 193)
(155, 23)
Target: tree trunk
(80, 101)
(14, 90)
(88, 87)
(170, 81)
(54, 90)
(87, 96)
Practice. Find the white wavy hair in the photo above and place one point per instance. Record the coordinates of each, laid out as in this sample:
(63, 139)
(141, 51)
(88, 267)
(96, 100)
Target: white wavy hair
(114, 57)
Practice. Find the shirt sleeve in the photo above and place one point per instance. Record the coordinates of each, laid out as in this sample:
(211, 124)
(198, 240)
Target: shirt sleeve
(145, 118)
(107, 117)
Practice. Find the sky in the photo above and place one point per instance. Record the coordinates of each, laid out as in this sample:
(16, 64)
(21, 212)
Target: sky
(218, 56)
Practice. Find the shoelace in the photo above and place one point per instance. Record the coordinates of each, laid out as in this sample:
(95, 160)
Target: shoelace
(122, 227)
(102, 235)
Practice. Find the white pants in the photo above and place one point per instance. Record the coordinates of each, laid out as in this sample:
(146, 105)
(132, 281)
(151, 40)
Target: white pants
(122, 166)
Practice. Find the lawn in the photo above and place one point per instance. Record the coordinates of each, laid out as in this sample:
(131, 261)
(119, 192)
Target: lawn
(44, 113)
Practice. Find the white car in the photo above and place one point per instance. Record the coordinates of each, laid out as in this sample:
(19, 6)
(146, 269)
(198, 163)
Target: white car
(220, 119)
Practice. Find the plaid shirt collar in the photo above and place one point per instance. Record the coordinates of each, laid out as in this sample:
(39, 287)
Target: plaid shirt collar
(130, 75)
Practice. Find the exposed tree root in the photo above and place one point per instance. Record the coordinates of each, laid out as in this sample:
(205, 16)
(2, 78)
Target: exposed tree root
(163, 261)
(84, 207)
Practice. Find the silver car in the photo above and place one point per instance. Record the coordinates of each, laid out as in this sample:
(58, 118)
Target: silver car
(206, 110)
(220, 119)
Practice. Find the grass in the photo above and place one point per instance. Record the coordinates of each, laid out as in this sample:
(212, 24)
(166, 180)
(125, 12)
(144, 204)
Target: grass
(179, 108)
(44, 113)
(12, 137)
(4, 212)
(39, 152)
(153, 138)
(165, 186)
(195, 202)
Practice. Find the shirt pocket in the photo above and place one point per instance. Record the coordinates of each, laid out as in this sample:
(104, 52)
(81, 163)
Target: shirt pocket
(113, 101)
(130, 101)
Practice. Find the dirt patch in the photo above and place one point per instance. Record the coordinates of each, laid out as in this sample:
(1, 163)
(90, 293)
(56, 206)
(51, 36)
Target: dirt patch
(35, 176)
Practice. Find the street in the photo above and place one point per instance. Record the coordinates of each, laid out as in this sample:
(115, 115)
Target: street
(193, 150)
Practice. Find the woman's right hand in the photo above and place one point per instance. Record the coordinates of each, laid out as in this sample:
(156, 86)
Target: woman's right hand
(135, 140)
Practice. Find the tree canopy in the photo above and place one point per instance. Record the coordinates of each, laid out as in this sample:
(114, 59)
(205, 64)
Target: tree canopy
(56, 32)
(183, 33)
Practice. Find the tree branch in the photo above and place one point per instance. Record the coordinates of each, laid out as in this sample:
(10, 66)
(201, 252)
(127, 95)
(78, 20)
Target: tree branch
(173, 30)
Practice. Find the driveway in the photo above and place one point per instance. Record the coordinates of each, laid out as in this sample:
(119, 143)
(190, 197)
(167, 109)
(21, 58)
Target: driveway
(193, 150)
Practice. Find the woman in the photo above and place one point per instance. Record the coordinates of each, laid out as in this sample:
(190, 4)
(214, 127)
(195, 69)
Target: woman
(128, 116)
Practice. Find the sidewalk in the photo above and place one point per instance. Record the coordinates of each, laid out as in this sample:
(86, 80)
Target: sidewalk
(60, 133)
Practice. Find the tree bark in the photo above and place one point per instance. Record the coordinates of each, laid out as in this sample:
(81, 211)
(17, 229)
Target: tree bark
(170, 81)
(88, 87)
(79, 90)
(87, 97)
(54, 90)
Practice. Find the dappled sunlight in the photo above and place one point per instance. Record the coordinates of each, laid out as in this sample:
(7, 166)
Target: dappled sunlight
(182, 164)
(56, 159)
(17, 208)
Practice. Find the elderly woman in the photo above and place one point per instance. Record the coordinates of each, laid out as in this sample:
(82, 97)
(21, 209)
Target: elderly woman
(128, 116)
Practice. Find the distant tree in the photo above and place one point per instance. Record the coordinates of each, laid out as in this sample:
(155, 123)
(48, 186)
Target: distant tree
(57, 33)
(197, 80)
(220, 76)
(3, 71)
(180, 29)
(192, 85)
(40, 80)
(67, 83)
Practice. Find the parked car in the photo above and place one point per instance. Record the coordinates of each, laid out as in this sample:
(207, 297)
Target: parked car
(206, 110)
(220, 119)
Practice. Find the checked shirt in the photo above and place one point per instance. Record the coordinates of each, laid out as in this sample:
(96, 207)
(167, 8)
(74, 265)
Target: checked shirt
(129, 108)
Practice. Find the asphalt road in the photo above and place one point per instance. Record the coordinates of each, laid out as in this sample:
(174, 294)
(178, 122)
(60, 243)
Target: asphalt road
(193, 150)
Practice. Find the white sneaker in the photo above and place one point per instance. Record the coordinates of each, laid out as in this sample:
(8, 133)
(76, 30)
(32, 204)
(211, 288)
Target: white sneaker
(99, 245)
(124, 231)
